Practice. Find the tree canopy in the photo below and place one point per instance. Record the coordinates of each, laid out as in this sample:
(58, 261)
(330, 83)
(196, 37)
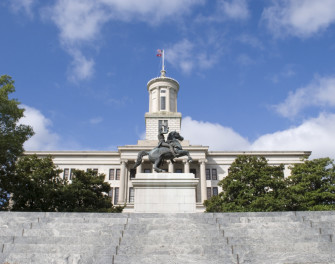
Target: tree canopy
(253, 185)
(12, 136)
(37, 186)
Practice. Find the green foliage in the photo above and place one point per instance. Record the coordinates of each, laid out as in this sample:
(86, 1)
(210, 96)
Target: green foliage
(311, 185)
(12, 136)
(251, 185)
(38, 187)
(87, 193)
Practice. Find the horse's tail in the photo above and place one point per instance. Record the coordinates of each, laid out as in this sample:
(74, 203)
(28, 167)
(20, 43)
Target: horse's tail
(140, 155)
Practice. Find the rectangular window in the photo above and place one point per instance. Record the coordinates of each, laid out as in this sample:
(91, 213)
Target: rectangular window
(208, 174)
(116, 195)
(110, 193)
(111, 174)
(162, 123)
(178, 171)
(131, 194)
(214, 174)
(215, 191)
(163, 103)
(132, 173)
(71, 174)
(66, 174)
(95, 171)
(147, 171)
(209, 192)
(194, 171)
(117, 174)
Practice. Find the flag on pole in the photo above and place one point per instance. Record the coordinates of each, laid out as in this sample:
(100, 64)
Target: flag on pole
(159, 53)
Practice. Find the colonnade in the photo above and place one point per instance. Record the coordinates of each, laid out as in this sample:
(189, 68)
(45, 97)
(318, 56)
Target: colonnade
(139, 169)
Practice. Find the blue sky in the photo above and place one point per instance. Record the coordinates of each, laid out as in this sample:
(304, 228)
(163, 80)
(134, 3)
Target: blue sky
(254, 75)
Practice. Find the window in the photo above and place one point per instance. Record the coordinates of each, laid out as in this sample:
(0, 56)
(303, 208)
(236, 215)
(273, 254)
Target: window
(208, 174)
(117, 174)
(132, 173)
(178, 171)
(194, 171)
(95, 171)
(147, 171)
(163, 103)
(209, 192)
(116, 195)
(214, 174)
(71, 174)
(66, 174)
(131, 194)
(162, 123)
(110, 193)
(215, 191)
(111, 174)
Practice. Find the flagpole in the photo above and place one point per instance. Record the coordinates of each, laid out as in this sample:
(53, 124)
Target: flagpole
(163, 61)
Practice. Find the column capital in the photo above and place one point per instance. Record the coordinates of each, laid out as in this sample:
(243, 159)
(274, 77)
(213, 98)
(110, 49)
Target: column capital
(203, 160)
(122, 161)
(185, 161)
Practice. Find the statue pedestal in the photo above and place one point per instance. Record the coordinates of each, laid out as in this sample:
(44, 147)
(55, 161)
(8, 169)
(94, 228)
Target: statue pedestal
(165, 193)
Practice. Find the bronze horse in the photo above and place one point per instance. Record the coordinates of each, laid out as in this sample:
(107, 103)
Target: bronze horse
(159, 154)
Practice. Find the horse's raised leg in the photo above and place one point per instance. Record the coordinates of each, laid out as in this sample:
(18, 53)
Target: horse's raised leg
(156, 165)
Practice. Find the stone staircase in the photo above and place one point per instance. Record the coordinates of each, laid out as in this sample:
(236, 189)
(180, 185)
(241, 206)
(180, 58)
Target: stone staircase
(203, 238)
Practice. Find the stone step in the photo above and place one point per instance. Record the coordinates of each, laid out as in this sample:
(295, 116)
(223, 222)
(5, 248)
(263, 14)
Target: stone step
(171, 220)
(33, 215)
(77, 226)
(169, 226)
(323, 224)
(171, 215)
(267, 225)
(286, 257)
(275, 232)
(148, 240)
(55, 258)
(174, 249)
(69, 232)
(307, 247)
(271, 239)
(283, 219)
(256, 214)
(59, 249)
(320, 218)
(173, 232)
(94, 240)
(175, 259)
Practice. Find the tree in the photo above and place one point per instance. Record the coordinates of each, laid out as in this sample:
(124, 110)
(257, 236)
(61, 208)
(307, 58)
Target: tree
(251, 185)
(12, 136)
(36, 185)
(311, 185)
(88, 193)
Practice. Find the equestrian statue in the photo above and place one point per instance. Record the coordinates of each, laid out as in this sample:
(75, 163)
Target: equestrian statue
(166, 150)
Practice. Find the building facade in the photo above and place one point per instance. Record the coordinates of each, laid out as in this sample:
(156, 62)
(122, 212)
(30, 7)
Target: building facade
(209, 166)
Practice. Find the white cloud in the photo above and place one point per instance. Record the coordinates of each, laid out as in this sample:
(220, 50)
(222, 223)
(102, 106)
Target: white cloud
(95, 120)
(187, 56)
(80, 22)
(234, 9)
(23, 5)
(82, 68)
(214, 135)
(251, 41)
(302, 18)
(320, 92)
(44, 138)
(315, 134)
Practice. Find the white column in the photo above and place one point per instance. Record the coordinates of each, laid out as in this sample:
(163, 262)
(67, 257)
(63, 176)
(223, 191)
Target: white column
(186, 166)
(139, 168)
(203, 180)
(171, 166)
(158, 99)
(122, 181)
(150, 101)
(167, 99)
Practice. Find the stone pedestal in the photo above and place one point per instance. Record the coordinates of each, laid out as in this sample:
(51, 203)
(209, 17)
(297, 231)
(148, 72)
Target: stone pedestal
(165, 193)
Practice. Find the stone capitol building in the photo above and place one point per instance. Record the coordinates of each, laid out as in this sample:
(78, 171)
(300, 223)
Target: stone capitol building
(208, 166)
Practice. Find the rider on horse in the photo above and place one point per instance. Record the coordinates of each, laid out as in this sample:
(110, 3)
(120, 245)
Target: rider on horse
(161, 138)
